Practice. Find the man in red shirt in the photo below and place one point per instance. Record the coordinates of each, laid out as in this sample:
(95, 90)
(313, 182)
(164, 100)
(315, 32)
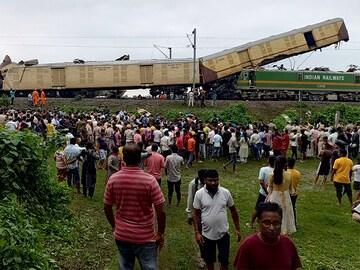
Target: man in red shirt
(285, 142)
(277, 144)
(268, 249)
(155, 163)
(180, 144)
(137, 197)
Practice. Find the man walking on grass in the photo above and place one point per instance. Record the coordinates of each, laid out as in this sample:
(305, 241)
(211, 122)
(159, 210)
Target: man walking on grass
(135, 212)
(172, 164)
(263, 180)
(211, 202)
(233, 145)
(341, 175)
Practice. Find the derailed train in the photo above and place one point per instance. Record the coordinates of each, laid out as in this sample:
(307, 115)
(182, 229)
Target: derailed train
(217, 71)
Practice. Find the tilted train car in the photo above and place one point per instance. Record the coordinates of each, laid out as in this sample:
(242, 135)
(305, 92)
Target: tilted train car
(302, 84)
(216, 71)
(272, 49)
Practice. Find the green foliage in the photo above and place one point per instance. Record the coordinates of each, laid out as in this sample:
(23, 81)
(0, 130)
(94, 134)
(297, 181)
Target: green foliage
(347, 113)
(290, 115)
(20, 239)
(42, 218)
(4, 100)
(235, 112)
(78, 97)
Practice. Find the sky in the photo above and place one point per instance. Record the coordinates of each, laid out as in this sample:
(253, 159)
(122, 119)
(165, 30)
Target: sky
(61, 30)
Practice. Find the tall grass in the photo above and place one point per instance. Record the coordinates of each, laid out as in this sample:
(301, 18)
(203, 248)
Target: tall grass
(327, 238)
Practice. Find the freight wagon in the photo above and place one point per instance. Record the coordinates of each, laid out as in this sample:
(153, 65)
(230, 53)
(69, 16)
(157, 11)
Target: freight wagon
(302, 84)
(215, 71)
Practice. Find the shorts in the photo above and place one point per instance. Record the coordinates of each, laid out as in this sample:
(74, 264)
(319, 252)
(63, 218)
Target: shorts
(102, 154)
(223, 245)
(356, 185)
(324, 168)
(339, 189)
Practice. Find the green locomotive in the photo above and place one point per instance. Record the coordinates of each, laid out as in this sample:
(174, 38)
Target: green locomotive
(302, 84)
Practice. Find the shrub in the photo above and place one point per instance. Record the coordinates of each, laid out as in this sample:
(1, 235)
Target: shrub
(4, 100)
(34, 214)
(290, 115)
(235, 112)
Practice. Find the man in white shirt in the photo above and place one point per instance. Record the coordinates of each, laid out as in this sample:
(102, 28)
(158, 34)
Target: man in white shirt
(356, 185)
(172, 164)
(217, 146)
(211, 202)
(157, 134)
(11, 124)
(263, 180)
(165, 144)
(294, 143)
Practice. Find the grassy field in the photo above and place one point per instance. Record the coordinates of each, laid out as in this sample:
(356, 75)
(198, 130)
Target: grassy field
(327, 238)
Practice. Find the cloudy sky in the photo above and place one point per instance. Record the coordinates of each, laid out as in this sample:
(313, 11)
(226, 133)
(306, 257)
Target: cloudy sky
(62, 30)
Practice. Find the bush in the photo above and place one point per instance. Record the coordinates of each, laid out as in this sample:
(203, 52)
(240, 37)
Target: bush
(34, 210)
(235, 112)
(20, 240)
(347, 113)
(290, 115)
(78, 97)
(4, 100)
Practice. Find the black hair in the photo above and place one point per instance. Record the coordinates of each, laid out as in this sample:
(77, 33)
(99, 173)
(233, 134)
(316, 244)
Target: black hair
(89, 145)
(174, 148)
(343, 152)
(280, 165)
(291, 162)
(211, 173)
(154, 147)
(271, 161)
(201, 173)
(115, 149)
(72, 140)
(132, 154)
(268, 207)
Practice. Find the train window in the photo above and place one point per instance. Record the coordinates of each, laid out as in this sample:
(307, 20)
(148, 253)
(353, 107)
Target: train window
(310, 39)
(300, 77)
(357, 79)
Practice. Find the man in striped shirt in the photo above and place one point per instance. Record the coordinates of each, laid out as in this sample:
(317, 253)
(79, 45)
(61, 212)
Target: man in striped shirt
(137, 197)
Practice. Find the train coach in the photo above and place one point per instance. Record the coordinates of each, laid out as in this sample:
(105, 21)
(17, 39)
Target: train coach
(303, 84)
(215, 71)
(67, 79)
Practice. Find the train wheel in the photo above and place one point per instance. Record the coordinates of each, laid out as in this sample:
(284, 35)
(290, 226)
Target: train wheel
(316, 97)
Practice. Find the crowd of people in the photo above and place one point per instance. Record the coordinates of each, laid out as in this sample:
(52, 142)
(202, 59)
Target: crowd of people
(126, 145)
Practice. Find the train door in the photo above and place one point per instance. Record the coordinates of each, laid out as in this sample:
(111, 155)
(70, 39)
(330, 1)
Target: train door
(146, 75)
(58, 77)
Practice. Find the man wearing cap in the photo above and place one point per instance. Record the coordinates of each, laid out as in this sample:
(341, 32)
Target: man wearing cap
(341, 175)
(129, 134)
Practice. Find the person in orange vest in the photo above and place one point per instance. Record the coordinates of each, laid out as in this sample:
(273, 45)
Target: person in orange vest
(43, 98)
(35, 97)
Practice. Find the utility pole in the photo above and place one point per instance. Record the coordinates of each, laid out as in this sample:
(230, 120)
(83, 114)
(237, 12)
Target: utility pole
(194, 46)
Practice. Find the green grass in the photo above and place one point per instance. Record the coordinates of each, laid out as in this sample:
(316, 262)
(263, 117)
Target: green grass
(327, 238)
